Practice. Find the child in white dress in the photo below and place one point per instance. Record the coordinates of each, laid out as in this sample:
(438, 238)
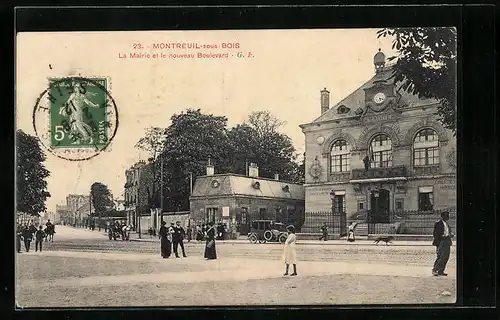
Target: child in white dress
(289, 254)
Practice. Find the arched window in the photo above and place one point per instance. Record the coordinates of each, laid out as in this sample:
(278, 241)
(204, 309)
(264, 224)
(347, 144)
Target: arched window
(426, 148)
(381, 151)
(340, 156)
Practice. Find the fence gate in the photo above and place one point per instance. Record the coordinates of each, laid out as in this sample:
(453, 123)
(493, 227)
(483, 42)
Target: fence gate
(343, 224)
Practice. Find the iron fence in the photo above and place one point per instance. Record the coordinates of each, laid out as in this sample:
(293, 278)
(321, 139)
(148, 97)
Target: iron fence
(400, 222)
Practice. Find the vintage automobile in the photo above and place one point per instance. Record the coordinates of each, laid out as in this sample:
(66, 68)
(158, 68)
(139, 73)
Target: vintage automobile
(267, 231)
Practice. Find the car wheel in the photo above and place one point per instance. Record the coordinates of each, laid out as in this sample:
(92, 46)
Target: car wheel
(283, 237)
(253, 238)
(268, 235)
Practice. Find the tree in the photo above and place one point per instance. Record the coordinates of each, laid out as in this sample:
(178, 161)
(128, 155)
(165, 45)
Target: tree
(259, 141)
(154, 143)
(31, 186)
(102, 199)
(426, 66)
(190, 140)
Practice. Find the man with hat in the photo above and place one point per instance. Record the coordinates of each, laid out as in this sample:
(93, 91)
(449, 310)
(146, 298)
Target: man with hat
(178, 237)
(442, 240)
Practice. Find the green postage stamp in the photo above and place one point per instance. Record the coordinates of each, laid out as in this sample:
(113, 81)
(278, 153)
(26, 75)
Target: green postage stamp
(76, 118)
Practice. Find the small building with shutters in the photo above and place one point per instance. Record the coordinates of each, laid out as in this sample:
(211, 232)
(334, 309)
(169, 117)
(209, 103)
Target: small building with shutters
(237, 200)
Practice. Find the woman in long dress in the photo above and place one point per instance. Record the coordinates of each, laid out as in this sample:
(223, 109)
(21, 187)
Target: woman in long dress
(164, 243)
(290, 256)
(350, 234)
(210, 251)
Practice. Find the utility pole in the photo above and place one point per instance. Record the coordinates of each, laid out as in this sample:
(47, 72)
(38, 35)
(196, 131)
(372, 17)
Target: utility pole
(161, 189)
(190, 183)
(137, 202)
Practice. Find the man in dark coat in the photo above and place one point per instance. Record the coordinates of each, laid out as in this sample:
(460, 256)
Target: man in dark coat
(177, 238)
(39, 235)
(442, 240)
(27, 237)
(324, 232)
(19, 233)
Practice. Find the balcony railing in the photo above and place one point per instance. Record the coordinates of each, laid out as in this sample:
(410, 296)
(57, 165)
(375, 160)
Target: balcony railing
(379, 173)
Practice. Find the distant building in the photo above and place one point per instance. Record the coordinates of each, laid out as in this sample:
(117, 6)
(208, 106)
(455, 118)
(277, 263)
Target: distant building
(74, 203)
(138, 186)
(65, 215)
(238, 199)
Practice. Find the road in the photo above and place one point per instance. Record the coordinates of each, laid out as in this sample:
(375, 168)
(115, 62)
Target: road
(83, 268)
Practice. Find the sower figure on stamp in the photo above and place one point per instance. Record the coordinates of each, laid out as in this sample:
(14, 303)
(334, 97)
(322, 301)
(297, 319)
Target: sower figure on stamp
(442, 240)
(324, 232)
(210, 251)
(164, 243)
(73, 109)
(289, 254)
(178, 238)
(39, 235)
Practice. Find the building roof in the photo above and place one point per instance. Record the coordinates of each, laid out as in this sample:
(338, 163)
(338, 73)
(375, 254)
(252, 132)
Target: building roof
(356, 99)
(233, 185)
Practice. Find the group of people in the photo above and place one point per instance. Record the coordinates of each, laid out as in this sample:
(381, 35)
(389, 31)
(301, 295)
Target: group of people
(174, 235)
(28, 233)
(220, 231)
(122, 229)
(350, 232)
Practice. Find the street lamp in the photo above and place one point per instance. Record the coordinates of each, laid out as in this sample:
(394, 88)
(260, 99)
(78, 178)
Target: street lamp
(332, 196)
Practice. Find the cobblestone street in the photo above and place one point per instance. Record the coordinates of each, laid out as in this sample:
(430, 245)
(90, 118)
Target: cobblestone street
(119, 273)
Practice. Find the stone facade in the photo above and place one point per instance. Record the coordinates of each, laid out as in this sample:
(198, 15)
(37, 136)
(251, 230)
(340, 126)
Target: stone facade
(379, 107)
(237, 200)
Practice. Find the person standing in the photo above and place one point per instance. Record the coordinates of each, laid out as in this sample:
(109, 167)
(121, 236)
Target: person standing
(324, 232)
(289, 254)
(210, 251)
(164, 243)
(19, 232)
(39, 235)
(189, 232)
(350, 232)
(178, 237)
(442, 240)
(27, 237)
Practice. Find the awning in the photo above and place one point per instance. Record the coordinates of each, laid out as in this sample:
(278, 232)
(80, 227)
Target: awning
(340, 193)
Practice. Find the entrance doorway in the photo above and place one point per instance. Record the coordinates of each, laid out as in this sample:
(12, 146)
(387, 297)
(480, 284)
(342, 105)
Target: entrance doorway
(380, 206)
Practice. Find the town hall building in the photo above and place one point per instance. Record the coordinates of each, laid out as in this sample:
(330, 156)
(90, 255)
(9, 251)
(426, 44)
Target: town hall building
(380, 150)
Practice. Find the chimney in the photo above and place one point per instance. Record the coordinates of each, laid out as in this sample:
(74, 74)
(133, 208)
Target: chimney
(276, 176)
(210, 170)
(325, 100)
(253, 170)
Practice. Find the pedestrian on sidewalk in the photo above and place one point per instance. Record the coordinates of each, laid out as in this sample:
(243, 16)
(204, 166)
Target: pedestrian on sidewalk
(210, 250)
(164, 243)
(350, 232)
(27, 237)
(442, 240)
(289, 254)
(324, 231)
(39, 235)
(189, 233)
(178, 238)
(19, 233)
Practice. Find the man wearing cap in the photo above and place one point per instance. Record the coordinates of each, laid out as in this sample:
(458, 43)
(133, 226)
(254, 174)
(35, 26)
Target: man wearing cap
(442, 240)
(178, 237)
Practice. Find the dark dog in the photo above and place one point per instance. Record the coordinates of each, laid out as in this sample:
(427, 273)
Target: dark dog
(384, 239)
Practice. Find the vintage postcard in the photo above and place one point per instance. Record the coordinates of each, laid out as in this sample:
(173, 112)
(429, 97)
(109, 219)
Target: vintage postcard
(236, 167)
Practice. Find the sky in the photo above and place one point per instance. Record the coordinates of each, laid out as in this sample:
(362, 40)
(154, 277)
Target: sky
(281, 71)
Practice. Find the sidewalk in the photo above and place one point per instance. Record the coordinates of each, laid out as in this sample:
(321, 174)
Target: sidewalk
(244, 240)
